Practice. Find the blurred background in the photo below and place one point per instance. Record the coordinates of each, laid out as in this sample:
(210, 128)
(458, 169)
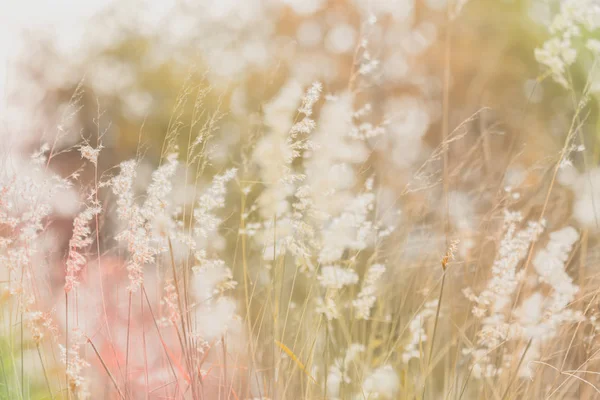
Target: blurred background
(131, 71)
(142, 63)
(134, 59)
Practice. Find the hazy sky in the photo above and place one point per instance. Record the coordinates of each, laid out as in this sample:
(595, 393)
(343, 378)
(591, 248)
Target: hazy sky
(63, 17)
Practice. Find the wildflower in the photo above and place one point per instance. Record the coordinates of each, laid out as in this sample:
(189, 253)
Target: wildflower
(334, 277)
(351, 230)
(216, 318)
(366, 130)
(382, 383)
(38, 323)
(328, 307)
(275, 155)
(39, 157)
(90, 153)
(492, 301)
(339, 371)
(310, 98)
(205, 221)
(417, 331)
(122, 186)
(160, 187)
(221, 276)
(135, 234)
(558, 53)
(505, 278)
(549, 263)
(539, 317)
(330, 170)
(171, 300)
(79, 240)
(75, 364)
(366, 297)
